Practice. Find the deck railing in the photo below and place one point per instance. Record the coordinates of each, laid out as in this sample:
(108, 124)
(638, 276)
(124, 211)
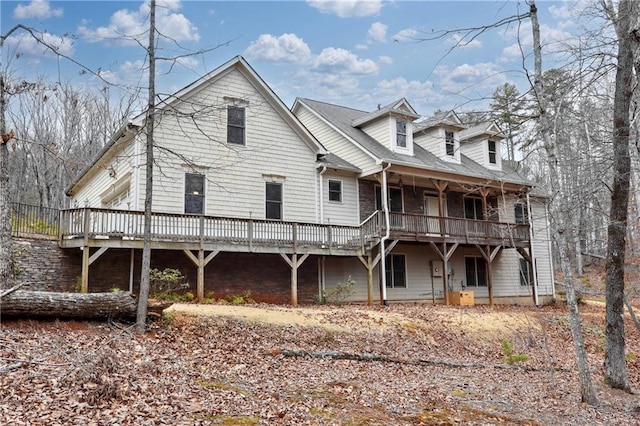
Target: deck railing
(94, 223)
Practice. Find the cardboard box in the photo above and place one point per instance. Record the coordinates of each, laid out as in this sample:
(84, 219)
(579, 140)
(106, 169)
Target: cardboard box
(462, 298)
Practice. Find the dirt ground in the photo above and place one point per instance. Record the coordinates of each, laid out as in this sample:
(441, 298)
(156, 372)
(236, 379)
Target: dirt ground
(405, 364)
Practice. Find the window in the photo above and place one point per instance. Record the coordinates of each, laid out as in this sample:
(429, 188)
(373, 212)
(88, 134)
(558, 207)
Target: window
(449, 143)
(476, 271)
(194, 193)
(493, 152)
(395, 199)
(473, 208)
(235, 125)
(273, 197)
(119, 201)
(521, 212)
(396, 272)
(335, 191)
(401, 133)
(525, 276)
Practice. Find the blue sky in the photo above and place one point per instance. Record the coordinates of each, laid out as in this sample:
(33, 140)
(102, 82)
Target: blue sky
(353, 53)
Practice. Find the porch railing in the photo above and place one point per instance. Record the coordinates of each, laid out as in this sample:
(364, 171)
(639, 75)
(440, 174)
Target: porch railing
(452, 227)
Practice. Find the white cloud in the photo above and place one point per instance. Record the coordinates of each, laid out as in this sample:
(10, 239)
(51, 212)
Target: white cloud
(347, 8)
(39, 9)
(467, 78)
(126, 25)
(389, 90)
(554, 40)
(285, 48)
(408, 34)
(340, 61)
(459, 42)
(385, 60)
(362, 46)
(26, 45)
(377, 32)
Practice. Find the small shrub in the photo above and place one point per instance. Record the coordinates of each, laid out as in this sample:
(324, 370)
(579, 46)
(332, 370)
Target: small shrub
(511, 357)
(114, 290)
(188, 296)
(340, 293)
(162, 283)
(240, 299)
(320, 299)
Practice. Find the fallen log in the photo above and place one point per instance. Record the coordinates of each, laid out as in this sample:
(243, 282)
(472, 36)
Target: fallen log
(68, 305)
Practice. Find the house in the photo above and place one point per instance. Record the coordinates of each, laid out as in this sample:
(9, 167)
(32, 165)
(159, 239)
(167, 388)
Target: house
(287, 203)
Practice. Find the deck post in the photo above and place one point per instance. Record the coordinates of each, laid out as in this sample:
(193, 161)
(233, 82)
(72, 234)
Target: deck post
(369, 264)
(294, 263)
(200, 283)
(84, 286)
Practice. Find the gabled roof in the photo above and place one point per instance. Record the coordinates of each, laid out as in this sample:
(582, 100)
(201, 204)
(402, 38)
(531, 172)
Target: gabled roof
(237, 63)
(341, 119)
(400, 107)
(443, 119)
(333, 161)
(487, 128)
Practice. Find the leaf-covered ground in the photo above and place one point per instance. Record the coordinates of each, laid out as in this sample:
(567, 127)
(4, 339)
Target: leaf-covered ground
(437, 366)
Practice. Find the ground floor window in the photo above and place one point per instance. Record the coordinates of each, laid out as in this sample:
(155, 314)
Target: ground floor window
(396, 270)
(476, 271)
(525, 275)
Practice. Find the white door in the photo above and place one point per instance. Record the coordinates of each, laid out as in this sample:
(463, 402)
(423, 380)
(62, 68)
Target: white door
(432, 210)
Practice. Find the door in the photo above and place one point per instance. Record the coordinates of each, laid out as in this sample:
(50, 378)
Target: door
(432, 211)
(395, 206)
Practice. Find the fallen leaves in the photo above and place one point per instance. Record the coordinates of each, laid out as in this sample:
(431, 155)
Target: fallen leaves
(196, 370)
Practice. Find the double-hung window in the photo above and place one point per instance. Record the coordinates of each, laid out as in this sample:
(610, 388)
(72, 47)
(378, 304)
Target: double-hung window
(273, 200)
(493, 152)
(401, 134)
(335, 191)
(521, 213)
(236, 125)
(525, 276)
(396, 271)
(194, 193)
(449, 143)
(473, 208)
(475, 271)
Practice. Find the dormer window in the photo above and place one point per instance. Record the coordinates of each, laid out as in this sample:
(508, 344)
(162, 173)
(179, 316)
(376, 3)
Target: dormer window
(493, 152)
(449, 143)
(401, 134)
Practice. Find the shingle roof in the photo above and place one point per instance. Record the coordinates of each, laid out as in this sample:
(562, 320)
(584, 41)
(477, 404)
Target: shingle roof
(342, 118)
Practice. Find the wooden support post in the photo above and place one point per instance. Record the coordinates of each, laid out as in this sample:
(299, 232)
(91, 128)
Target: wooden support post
(84, 286)
(201, 261)
(368, 263)
(131, 266)
(294, 263)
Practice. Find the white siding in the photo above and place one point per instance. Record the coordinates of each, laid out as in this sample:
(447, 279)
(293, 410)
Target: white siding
(381, 130)
(111, 174)
(336, 143)
(235, 174)
(345, 212)
(542, 248)
(474, 149)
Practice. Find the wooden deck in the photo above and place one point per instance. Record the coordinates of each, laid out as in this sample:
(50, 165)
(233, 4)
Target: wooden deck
(93, 227)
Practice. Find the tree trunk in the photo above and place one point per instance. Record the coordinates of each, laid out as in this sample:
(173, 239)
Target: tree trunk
(68, 305)
(141, 317)
(6, 265)
(560, 231)
(615, 365)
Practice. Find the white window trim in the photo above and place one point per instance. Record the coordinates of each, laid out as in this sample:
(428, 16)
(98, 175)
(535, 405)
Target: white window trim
(455, 158)
(329, 180)
(408, 150)
(498, 164)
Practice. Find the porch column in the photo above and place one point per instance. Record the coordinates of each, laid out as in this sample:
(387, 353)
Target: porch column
(445, 254)
(532, 276)
(294, 263)
(441, 186)
(485, 206)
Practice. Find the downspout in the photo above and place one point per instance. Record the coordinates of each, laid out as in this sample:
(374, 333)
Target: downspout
(324, 169)
(136, 176)
(385, 209)
(533, 258)
(321, 260)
